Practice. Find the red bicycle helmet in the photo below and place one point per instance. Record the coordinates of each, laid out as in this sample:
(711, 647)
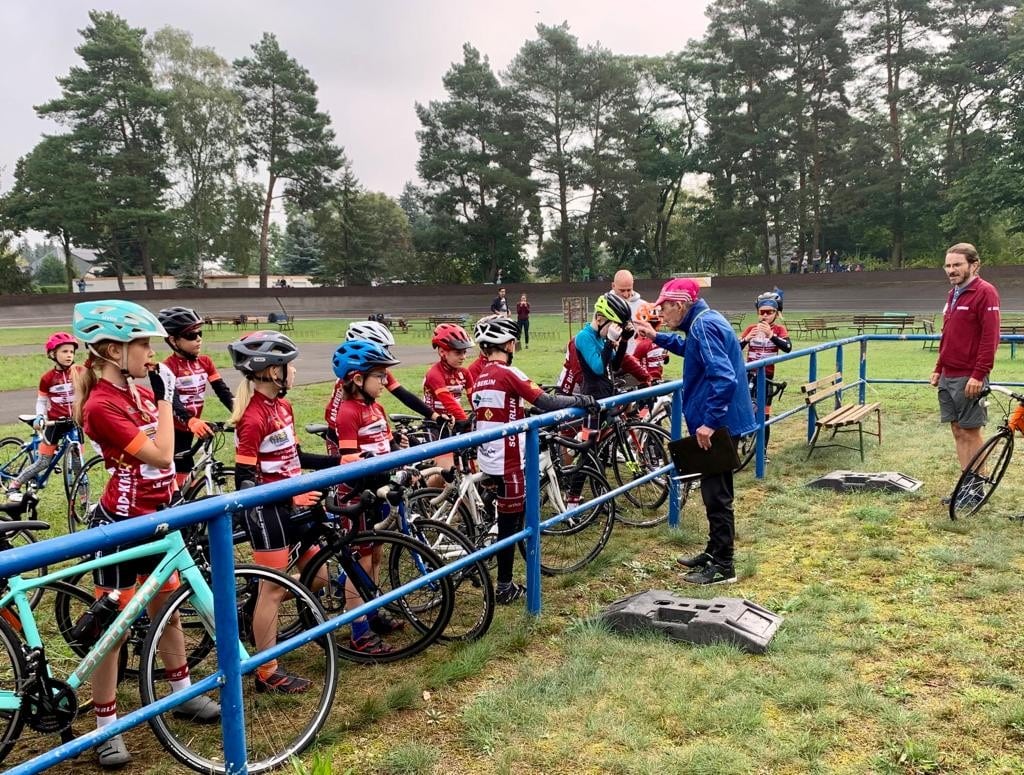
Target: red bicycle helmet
(59, 338)
(449, 336)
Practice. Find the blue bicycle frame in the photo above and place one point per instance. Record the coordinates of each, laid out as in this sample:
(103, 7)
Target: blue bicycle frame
(31, 449)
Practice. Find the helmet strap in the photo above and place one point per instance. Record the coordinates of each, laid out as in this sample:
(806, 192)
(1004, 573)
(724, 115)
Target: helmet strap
(179, 351)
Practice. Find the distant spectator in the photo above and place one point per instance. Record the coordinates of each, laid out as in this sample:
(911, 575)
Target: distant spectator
(794, 264)
(803, 265)
(817, 261)
(499, 306)
(523, 318)
(81, 285)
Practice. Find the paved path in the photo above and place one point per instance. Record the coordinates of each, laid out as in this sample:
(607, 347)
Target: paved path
(312, 366)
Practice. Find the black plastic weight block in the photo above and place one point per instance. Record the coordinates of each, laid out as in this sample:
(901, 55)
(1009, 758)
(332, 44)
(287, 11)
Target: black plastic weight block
(718, 620)
(887, 481)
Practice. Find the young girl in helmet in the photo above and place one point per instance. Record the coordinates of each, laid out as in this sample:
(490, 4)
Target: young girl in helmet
(53, 405)
(134, 428)
(266, 450)
(377, 333)
(446, 382)
(498, 396)
(361, 425)
(192, 373)
(764, 339)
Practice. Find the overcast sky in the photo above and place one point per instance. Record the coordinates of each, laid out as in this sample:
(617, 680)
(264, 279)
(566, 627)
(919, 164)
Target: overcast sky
(371, 60)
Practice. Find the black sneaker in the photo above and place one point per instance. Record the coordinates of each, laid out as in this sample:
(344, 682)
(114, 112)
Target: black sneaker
(383, 623)
(697, 561)
(510, 594)
(712, 573)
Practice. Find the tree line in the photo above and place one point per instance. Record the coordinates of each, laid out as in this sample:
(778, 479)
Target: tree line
(882, 129)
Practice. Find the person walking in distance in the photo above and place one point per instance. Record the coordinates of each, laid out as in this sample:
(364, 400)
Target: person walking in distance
(523, 318)
(967, 350)
(714, 396)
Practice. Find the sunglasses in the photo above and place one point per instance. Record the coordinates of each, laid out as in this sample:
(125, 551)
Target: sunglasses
(767, 311)
(191, 336)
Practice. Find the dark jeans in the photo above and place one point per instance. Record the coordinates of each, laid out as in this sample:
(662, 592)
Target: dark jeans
(717, 492)
(524, 331)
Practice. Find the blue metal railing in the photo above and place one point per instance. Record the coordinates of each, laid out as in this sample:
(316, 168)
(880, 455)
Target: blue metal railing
(217, 511)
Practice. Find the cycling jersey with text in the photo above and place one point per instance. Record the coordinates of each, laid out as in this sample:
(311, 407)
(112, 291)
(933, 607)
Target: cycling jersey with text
(498, 395)
(190, 381)
(443, 388)
(59, 391)
(265, 439)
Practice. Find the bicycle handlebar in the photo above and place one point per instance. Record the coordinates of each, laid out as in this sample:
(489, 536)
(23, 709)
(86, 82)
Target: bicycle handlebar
(1005, 391)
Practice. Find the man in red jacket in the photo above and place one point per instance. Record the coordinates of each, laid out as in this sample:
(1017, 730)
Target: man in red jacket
(967, 350)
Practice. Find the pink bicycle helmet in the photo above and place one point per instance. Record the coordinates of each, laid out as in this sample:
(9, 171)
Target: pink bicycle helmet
(59, 338)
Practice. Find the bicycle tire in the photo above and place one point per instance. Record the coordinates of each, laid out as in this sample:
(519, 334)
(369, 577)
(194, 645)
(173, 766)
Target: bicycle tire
(71, 466)
(277, 726)
(13, 676)
(982, 475)
(13, 459)
(474, 589)
(571, 544)
(86, 492)
(745, 449)
(20, 538)
(223, 481)
(425, 612)
(646, 450)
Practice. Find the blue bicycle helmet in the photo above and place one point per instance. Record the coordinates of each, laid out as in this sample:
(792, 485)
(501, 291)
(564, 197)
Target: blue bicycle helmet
(120, 321)
(771, 299)
(360, 356)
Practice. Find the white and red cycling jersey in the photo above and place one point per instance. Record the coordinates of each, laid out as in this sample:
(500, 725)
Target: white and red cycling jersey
(570, 378)
(474, 370)
(121, 429)
(265, 439)
(190, 380)
(651, 356)
(498, 395)
(57, 393)
(760, 347)
(443, 388)
(362, 427)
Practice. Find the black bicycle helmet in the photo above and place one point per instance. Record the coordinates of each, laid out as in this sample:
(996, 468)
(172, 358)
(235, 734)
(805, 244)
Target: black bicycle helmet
(613, 307)
(256, 351)
(179, 320)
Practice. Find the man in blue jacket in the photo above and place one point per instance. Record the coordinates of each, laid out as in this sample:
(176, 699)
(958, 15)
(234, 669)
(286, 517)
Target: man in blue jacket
(715, 395)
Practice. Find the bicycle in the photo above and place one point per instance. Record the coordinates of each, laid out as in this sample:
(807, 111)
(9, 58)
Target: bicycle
(209, 476)
(427, 611)
(567, 546)
(16, 454)
(980, 479)
(44, 693)
(748, 444)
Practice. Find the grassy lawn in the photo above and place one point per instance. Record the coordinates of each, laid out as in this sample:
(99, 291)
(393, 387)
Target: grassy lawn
(901, 650)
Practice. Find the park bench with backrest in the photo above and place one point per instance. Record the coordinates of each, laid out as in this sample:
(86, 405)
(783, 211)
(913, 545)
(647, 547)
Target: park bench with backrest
(844, 418)
(890, 323)
(817, 327)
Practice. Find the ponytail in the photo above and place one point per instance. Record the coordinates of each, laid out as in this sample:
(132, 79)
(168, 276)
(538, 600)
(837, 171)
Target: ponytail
(243, 395)
(86, 378)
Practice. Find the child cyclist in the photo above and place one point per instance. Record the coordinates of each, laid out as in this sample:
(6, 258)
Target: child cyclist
(53, 405)
(361, 425)
(652, 357)
(192, 373)
(498, 395)
(134, 428)
(266, 450)
(377, 333)
(764, 339)
(445, 384)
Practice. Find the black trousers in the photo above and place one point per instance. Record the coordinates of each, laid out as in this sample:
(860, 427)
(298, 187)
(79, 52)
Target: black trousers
(717, 492)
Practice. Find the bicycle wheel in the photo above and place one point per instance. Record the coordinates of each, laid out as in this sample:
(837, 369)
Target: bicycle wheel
(425, 503)
(746, 449)
(13, 676)
(423, 614)
(86, 492)
(574, 542)
(24, 538)
(474, 590)
(222, 480)
(71, 467)
(277, 726)
(982, 475)
(13, 458)
(640, 449)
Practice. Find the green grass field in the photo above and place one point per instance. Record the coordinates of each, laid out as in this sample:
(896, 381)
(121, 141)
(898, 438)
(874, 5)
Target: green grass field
(901, 650)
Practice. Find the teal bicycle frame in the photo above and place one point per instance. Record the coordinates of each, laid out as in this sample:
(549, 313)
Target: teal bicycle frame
(176, 558)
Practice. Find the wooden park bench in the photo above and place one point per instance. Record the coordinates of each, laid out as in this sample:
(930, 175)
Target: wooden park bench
(844, 418)
(817, 327)
(883, 324)
(1010, 324)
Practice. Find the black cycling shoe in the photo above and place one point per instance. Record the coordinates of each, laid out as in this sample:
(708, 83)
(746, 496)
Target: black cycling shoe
(697, 561)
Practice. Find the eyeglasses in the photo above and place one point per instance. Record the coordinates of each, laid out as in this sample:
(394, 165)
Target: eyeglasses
(767, 311)
(191, 336)
(381, 375)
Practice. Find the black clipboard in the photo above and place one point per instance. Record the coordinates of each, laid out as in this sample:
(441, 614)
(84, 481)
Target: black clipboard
(689, 458)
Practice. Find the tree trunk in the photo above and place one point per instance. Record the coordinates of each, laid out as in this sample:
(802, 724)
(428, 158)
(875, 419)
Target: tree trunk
(265, 233)
(563, 229)
(147, 262)
(69, 264)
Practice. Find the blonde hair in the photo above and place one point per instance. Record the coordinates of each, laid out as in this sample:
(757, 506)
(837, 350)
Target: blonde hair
(243, 395)
(87, 377)
(967, 250)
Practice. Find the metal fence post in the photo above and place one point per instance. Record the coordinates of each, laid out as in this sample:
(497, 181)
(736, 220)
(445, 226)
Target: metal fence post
(863, 392)
(676, 426)
(533, 483)
(761, 392)
(222, 557)
(812, 376)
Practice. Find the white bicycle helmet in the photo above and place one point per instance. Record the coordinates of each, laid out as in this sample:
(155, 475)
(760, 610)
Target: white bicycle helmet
(369, 331)
(496, 330)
